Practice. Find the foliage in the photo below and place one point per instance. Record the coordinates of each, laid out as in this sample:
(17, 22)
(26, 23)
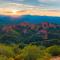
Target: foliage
(32, 52)
(6, 50)
(29, 52)
(28, 42)
(54, 50)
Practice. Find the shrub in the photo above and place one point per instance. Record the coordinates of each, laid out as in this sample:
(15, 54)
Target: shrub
(54, 50)
(32, 52)
(3, 57)
(6, 50)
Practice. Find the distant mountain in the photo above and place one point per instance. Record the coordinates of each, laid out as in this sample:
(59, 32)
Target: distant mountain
(28, 18)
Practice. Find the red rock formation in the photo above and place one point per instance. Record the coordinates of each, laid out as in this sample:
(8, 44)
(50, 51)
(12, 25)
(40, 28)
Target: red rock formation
(45, 25)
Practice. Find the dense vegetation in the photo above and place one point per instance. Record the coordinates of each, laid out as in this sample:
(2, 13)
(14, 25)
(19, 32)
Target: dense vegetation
(45, 34)
(27, 41)
(29, 52)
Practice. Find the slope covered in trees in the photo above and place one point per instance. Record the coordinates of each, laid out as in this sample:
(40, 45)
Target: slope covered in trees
(45, 34)
(29, 41)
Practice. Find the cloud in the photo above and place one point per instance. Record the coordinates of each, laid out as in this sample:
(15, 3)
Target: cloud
(12, 0)
(50, 4)
(46, 0)
(17, 6)
(44, 4)
(50, 1)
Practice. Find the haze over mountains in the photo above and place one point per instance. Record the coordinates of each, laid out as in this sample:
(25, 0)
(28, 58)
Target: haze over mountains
(32, 11)
(28, 18)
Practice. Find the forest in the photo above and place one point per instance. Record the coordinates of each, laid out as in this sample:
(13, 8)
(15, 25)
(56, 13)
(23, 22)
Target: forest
(26, 41)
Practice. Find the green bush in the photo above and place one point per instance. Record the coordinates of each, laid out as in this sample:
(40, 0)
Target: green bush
(6, 50)
(54, 50)
(32, 52)
(3, 57)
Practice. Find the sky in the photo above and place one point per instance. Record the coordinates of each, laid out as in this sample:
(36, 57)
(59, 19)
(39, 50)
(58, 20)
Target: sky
(42, 4)
(7, 5)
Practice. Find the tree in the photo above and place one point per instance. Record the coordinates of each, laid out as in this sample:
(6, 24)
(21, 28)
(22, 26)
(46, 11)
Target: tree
(32, 52)
(54, 50)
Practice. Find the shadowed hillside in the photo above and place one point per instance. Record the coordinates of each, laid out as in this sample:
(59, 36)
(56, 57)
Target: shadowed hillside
(28, 18)
(43, 34)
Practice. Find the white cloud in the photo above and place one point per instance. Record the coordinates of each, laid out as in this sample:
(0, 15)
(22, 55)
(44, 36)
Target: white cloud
(49, 0)
(17, 6)
(50, 4)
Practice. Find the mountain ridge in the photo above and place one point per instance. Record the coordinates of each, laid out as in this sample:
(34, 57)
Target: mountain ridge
(28, 18)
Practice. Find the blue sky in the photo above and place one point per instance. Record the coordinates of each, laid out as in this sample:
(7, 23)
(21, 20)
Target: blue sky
(43, 4)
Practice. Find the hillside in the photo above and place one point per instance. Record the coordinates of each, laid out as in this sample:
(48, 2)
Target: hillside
(45, 33)
(28, 18)
(29, 37)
